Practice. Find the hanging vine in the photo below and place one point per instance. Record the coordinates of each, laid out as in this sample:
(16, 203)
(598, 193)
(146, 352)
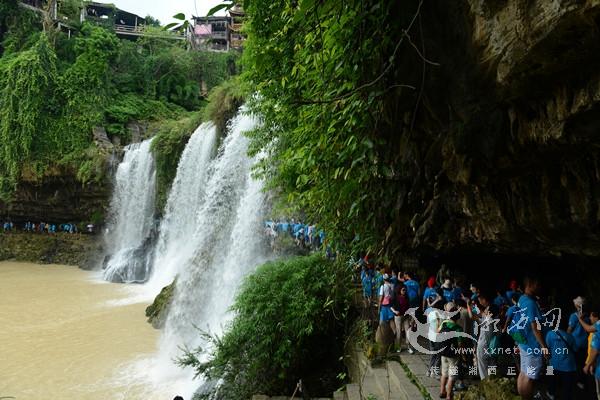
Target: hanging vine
(27, 83)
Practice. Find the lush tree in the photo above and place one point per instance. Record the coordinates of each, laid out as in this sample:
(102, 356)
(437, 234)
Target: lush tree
(85, 85)
(70, 9)
(290, 319)
(54, 89)
(27, 84)
(334, 105)
(18, 27)
(151, 21)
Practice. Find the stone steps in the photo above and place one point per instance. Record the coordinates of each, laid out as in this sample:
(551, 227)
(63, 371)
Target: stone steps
(340, 395)
(399, 381)
(384, 382)
(387, 381)
(418, 364)
(353, 391)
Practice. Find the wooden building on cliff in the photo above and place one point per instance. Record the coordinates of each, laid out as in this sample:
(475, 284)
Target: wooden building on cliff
(219, 33)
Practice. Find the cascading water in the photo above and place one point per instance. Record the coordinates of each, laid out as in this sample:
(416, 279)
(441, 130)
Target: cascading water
(211, 260)
(130, 231)
(186, 197)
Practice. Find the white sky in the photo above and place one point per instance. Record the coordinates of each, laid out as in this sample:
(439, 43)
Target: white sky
(165, 9)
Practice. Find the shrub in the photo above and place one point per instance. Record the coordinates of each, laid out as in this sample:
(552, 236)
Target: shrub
(223, 102)
(291, 317)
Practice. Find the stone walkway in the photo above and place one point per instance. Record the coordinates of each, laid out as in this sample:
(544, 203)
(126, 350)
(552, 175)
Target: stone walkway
(383, 380)
(387, 380)
(418, 365)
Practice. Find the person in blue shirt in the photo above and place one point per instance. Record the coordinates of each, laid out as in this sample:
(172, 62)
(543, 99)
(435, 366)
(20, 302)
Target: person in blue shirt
(508, 321)
(510, 312)
(580, 335)
(378, 278)
(513, 288)
(394, 279)
(431, 291)
(413, 289)
(535, 349)
(474, 292)
(592, 366)
(561, 345)
(284, 226)
(457, 292)
(499, 300)
(366, 278)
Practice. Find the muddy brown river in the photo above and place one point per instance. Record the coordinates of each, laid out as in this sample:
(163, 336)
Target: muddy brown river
(65, 334)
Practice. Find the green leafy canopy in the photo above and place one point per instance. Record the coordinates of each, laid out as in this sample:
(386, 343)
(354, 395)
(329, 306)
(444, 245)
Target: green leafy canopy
(334, 104)
(290, 317)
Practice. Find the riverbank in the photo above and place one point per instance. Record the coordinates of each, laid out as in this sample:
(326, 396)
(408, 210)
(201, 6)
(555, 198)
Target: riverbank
(61, 248)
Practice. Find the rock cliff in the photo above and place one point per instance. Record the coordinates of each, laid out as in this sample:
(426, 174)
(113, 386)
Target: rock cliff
(59, 198)
(62, 248)
(504, 154)
(59, 195)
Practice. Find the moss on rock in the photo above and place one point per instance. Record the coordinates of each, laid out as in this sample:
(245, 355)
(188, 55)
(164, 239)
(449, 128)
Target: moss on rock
(158, 310)
(167, 146)
(78, 249)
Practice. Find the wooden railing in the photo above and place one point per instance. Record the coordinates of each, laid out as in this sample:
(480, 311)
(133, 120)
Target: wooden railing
(141, 30)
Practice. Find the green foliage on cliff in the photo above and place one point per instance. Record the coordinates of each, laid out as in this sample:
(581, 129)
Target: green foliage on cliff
(26, 84)
(290, 319)
(86, 84)
(158, 310)
(335, 98)
(224, 101)
(55, 89)
(167, 146)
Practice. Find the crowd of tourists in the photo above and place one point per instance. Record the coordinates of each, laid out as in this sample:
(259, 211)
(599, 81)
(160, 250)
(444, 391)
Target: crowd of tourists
(304, 235)
(44, 227)
(470, 333)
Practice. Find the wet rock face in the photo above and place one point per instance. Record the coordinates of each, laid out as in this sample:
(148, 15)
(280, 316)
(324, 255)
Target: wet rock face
(57, 199)
(505, 152)
(157, 311)
(69, 249)
(524, 39)
(132, 265)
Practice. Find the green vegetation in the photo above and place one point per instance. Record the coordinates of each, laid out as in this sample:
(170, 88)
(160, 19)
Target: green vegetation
(334, 99)
(55, 89)
(290, 321)
(224, 101)
(491, 389)
(26, 81)
(157, 311)
(167, 146)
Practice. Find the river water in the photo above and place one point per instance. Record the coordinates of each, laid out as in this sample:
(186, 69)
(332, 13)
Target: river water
(65, 334)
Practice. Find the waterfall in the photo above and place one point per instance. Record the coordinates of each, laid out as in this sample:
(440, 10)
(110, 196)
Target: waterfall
(129, 235)
(219, 245)
(186, 197)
